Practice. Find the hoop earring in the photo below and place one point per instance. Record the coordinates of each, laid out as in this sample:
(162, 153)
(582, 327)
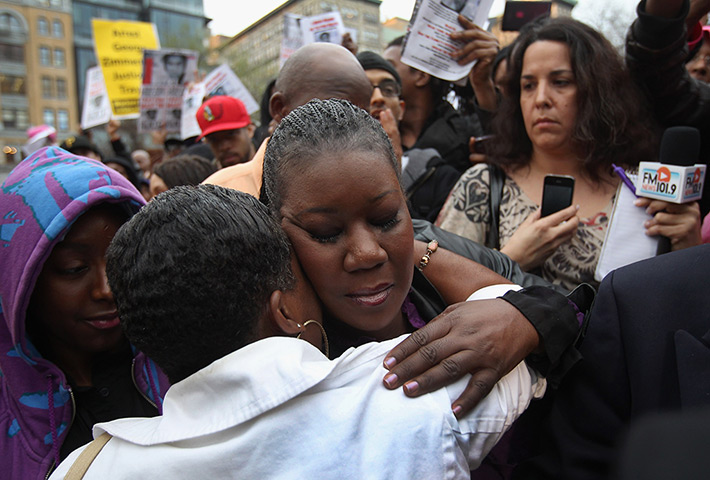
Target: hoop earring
(322, 332)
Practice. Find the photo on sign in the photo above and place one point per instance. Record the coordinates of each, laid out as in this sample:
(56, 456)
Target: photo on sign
(169, 67)
(165, 74)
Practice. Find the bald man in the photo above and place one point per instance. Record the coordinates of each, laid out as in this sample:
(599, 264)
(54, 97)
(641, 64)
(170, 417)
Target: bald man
(317, 70)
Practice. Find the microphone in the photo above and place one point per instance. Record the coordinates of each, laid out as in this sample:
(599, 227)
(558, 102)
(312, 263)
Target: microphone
(676, 177)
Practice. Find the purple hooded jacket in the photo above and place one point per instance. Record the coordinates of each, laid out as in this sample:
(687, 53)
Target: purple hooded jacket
(39, 201)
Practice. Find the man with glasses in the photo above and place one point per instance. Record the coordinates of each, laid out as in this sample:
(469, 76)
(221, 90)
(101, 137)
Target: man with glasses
(426, 178)
(699, 65)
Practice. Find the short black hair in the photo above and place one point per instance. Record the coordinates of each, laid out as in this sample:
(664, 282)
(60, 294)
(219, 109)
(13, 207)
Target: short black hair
(373, 61)
(128, 166)
(192, 273)
(184, 169)
(183, 58)
(320, 126)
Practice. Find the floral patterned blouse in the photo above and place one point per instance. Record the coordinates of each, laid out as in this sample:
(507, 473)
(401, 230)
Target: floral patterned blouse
(467, 213)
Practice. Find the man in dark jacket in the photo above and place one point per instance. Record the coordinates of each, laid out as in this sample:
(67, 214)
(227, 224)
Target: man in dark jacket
(426, 178)
(656, 53)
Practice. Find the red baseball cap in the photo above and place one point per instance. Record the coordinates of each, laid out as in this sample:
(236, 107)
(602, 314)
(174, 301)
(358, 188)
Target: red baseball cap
(222, 113)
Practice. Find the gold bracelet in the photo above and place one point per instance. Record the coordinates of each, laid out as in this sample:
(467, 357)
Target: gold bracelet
(431, 247)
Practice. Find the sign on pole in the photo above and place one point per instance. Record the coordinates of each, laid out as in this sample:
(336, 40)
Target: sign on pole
(119, 49)
(96, 109)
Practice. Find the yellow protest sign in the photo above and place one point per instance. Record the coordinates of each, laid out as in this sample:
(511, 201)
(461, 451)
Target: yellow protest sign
(119, 49)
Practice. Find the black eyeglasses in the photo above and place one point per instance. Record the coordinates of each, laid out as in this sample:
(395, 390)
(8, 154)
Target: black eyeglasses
(388, 88)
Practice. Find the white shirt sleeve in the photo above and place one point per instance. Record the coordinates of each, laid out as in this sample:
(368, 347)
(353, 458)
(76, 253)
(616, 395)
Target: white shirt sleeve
(477, 432)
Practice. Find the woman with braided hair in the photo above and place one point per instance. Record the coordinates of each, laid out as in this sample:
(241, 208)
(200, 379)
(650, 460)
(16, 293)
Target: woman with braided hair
(331, 179)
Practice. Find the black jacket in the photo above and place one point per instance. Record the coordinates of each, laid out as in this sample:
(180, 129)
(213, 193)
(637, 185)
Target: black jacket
(427, 181)
(656, 53)
(546, 306)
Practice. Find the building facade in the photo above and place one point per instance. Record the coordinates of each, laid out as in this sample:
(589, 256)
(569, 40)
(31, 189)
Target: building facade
(37, 83)
(254, 53)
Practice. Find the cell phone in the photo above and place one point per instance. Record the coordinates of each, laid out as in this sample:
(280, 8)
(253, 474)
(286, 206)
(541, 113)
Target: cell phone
(557, 192)
(517, 14)
(480, 144)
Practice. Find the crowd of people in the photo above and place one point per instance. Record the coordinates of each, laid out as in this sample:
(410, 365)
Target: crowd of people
(357, 288)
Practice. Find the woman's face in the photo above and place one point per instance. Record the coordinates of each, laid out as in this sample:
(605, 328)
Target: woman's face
(548, 96)
(157, 185)
(72, 304)
(348, 222)
(699, 66)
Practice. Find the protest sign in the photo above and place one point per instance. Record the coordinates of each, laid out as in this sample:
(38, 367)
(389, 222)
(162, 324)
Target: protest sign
(96, 109)
(119, 49)
(428, 46)
(326, 27)
(191, 101)
(223, 81)
(292, 38)
(165, 74)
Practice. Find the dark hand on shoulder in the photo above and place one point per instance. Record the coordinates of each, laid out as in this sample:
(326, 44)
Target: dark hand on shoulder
(486, 338)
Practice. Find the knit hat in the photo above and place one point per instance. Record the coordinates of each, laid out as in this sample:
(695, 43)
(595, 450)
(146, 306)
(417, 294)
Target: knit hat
(372, 61)
(221, 113)
(38, 137)
(79, 142)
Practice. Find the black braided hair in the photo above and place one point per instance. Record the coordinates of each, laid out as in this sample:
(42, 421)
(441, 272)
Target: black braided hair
(334, 126)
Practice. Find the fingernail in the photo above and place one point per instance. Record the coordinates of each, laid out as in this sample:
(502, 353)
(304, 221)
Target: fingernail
(637, 202)
(576, 207)
(390, 362)
(411, 387)
(390, 380)
(457, 410)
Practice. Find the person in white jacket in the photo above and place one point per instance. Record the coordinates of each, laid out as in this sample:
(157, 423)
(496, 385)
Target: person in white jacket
(205, 285)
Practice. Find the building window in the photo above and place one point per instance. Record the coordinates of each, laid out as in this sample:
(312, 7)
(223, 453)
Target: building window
(55, 3)
(14, 118)
(58, 29)
(349, 13)
(59, 57)
(12, 53)
(45, 56)
(370, 36)
(46, 87)
(371, 18)
(48, 117)
(43, 26)
(10, 24)
(63, 120)
(11, 84)
(61, 88)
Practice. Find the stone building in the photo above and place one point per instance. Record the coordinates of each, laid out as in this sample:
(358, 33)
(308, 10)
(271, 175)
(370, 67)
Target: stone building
(254, 53)
(37, 82)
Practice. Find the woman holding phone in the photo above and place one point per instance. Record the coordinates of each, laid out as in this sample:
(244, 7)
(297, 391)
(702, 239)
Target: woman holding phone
(571, 110)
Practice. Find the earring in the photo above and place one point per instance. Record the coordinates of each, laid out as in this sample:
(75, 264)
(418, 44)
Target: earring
(322, 332)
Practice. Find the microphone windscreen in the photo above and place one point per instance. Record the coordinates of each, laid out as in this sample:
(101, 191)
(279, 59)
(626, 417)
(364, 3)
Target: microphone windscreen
(680, 146)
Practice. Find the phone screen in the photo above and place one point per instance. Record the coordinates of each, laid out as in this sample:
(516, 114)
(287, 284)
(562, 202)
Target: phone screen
(557, 194)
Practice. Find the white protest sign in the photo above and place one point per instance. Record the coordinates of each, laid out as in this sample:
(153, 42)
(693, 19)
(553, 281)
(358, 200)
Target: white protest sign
(326, 27)
(191, 101)
(97, 108)
(223, 81)
(428, 46)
